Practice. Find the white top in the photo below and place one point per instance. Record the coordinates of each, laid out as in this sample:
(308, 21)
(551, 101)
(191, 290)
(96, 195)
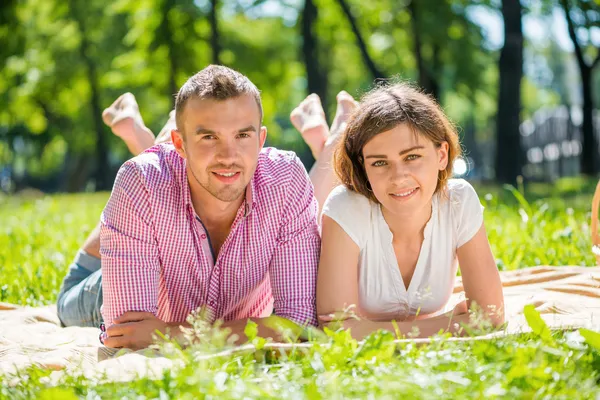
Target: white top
(454, 221)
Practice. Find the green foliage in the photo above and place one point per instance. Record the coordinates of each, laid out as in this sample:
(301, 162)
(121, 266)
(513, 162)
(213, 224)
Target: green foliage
(591, 338)
(536, 323)
(150, 47)
(40, 237)
(516, 366)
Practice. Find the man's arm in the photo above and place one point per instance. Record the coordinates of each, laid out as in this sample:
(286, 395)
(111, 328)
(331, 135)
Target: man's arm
(293, 269)
(130, 259)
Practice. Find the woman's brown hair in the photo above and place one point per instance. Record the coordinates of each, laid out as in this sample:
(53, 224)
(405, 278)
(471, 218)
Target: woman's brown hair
(382, 109)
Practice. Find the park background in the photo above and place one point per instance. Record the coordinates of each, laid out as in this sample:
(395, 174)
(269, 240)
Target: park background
(520, 78)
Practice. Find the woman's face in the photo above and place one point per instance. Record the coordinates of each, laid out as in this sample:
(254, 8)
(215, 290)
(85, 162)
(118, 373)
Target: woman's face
(402, 167)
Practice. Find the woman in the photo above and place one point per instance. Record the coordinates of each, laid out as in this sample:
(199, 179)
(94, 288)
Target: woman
(396, 229)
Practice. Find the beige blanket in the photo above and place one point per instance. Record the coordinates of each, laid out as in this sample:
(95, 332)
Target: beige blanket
(565, 296)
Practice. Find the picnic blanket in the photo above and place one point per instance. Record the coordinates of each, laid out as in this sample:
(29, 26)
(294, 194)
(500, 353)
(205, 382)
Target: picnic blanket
(566, 297)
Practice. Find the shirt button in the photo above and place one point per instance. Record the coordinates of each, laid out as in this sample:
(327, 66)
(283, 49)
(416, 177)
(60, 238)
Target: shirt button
(203, 236)
(211, 303)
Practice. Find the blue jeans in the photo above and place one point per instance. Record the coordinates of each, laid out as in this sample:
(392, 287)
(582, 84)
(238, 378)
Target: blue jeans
(80, 296)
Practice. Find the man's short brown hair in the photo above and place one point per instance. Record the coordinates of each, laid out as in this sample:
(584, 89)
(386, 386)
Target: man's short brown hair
(215, 82)
(382, 109)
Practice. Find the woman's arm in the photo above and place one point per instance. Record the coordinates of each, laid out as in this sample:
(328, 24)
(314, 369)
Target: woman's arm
(480, 276)
(449, 322)
(337, 277)
(337, 287)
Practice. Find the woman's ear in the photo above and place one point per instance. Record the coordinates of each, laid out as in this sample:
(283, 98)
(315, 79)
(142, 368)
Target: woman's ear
(442, 151)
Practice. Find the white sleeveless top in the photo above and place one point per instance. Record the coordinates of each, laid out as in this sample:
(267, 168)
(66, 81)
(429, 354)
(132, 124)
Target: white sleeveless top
(382, 293)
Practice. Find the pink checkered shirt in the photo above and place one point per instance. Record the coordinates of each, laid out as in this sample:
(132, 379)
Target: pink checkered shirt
(157, 257)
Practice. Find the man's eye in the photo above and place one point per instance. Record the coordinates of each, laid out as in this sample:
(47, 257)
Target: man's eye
(244, 135)
(379, 163)
(412, 157)
(208, 137)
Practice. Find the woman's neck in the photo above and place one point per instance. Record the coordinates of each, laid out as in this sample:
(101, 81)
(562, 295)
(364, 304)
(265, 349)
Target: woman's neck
(409, 227)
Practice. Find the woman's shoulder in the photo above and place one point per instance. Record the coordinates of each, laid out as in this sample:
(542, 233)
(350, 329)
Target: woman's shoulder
(465, 210)
(351, 210)
(459, 188)
(341, 196)
(460, 193)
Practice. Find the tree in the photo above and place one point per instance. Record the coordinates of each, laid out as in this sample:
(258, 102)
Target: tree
(582, 16)
(429, 73)
(316, 75)
(102, 173)
(508, 138)
(375, 70)
(215, 42)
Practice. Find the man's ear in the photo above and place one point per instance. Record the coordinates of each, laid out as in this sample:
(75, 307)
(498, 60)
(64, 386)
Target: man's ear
(443, 156)
(262, 136)
(177, 139)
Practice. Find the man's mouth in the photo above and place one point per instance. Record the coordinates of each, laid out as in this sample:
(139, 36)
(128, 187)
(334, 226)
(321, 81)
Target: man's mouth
(226, 176)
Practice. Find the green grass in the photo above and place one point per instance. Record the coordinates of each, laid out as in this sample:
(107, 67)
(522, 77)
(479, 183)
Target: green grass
(39, 237)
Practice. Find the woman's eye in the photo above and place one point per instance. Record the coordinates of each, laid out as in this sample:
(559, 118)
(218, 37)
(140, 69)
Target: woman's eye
(379, 163)
(412, 157)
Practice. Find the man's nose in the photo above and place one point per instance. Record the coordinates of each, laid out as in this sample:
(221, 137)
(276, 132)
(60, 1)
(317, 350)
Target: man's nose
(226, 151)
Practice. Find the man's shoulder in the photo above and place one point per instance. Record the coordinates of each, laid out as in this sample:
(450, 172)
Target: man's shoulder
(158, 164)
(278, 166)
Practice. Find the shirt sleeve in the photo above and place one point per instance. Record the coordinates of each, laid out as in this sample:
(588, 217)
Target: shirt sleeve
(128, 249)
(351, 211)
(468, 211)
(293, 268)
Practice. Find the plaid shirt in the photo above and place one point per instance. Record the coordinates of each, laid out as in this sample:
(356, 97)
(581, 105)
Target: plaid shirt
(157, 257)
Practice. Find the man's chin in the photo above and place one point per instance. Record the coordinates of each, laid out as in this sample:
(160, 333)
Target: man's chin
(228, 195)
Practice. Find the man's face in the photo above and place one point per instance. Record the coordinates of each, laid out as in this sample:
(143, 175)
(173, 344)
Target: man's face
(221, 141)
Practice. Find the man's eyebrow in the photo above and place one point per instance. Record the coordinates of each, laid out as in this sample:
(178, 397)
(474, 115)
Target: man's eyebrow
(203, 131)
(401, 153)
(248, 128)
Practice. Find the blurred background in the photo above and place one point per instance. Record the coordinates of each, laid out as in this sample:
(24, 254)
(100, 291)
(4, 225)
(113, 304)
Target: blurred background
(520, 78)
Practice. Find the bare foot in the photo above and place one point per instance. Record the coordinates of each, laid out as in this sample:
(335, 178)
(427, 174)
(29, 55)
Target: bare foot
(124, 118)
(345, 106)
(309, 119)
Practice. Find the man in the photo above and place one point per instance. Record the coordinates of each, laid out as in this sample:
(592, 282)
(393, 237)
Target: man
(210, 221)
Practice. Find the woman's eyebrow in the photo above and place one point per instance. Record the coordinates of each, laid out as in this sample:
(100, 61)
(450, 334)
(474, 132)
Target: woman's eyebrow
(401, 153)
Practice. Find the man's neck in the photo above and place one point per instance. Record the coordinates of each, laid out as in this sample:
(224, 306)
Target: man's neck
(214, 213)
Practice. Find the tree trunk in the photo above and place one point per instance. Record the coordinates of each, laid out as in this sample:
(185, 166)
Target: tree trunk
(315, 74)
(166, 31)
(589, 155)
(509, 158)
(368, 60)
(436, 72)
(427, 80)
(102, 173)
(215, 42)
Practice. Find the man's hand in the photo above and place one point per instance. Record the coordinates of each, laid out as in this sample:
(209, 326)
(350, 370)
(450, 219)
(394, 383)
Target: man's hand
(134, 330)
